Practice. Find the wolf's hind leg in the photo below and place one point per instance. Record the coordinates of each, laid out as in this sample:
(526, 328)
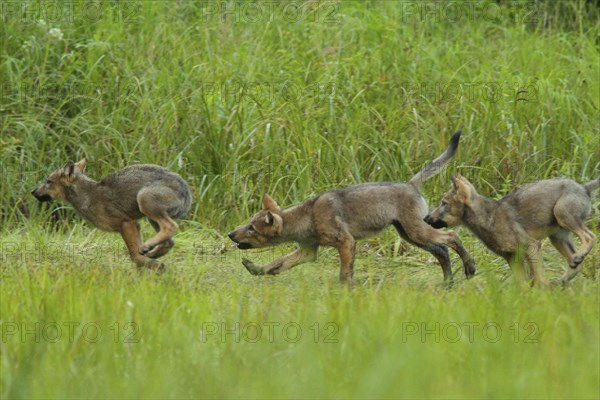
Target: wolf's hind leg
(420, 233)
(439, 251)
(155, 202)
(163, 247)
(568, 211)
(561, 240)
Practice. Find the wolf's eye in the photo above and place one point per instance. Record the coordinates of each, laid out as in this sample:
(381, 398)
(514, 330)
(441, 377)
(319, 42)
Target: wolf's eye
(49, 182)
(444, 203)
(251, 228)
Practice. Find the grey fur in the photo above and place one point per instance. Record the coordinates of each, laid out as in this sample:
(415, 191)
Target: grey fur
(513, 226)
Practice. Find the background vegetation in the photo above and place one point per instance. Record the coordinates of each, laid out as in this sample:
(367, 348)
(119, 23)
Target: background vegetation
(290, 98)
(295, 103)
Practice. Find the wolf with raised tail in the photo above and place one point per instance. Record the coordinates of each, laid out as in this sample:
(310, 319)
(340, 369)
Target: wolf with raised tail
(340, 217)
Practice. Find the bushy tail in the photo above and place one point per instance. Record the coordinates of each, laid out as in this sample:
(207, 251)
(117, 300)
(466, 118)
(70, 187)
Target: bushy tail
(592, 185)
(434, 167)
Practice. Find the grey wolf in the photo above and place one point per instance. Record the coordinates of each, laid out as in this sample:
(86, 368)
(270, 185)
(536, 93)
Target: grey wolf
(339, 218)
(118, 201)
(513, 226)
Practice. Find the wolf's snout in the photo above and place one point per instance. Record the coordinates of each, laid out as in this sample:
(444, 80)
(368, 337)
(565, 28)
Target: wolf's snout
(428, 219)
(437, 224)
(43, 197)
(231, 235)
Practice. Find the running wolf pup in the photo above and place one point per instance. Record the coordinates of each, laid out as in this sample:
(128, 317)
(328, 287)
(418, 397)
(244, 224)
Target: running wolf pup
(117, 202)
(340, 217)
(514, 226)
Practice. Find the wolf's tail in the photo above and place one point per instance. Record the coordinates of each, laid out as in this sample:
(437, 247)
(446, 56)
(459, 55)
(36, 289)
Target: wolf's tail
(592, 185)
(434, 167)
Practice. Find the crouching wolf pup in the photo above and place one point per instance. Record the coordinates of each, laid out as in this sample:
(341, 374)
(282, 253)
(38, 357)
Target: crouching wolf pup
(339, 218)
(119, 200)
(513, 226)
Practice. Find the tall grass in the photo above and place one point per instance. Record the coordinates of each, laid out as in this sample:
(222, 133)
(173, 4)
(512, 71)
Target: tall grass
(246, 98)
(343, 93)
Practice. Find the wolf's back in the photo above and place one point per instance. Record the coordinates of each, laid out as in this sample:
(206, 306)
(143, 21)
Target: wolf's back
(130, 180)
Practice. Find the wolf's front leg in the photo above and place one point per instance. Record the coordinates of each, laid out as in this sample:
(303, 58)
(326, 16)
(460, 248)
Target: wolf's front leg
(534, 259)
(298, 256)
(526, 262)
(347, 250)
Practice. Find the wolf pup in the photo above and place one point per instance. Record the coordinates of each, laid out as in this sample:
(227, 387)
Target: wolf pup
(339, 218)
(119, 200)
(514, 226)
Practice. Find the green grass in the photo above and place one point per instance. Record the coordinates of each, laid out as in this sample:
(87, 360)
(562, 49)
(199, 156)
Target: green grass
(193, 331)
(348, 92)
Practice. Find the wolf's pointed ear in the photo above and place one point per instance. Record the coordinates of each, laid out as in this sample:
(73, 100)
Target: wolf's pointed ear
(269, 203)
(464, 190)
(81, 164)
(454, 179)
(69, 169)
(274, 221)
(269, 218)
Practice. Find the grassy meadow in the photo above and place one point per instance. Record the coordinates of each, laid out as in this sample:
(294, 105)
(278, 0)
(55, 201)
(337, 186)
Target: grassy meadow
(291, 98)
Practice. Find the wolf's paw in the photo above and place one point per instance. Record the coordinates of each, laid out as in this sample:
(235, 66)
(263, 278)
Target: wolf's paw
(146, 249)
(154, 252)
(470, 269)
(251, 267)
(576, 261)
(160, 249)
